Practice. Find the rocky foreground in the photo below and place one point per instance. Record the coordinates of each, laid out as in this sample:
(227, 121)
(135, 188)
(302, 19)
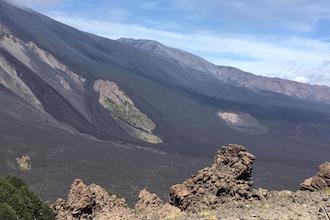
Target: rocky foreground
(223, 190)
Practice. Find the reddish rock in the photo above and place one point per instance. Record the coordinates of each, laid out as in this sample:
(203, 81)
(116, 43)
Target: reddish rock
(229, 177)
(320, 181)
(90, 202)
(147, 199)
(150, 207)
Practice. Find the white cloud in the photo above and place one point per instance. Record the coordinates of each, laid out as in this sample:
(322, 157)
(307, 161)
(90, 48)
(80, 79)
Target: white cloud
(302, 79)
(313, 74)
(267, 56)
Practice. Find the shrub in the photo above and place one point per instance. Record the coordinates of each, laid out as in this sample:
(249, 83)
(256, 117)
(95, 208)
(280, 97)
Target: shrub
(6, 212)
(18, 202)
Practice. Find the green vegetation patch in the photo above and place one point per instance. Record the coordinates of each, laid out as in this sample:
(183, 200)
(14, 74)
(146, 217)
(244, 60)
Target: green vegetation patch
(19, 203)
(131, 115)
(137, 133)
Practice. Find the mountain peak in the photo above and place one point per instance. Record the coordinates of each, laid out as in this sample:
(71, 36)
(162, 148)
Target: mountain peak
(184, 58)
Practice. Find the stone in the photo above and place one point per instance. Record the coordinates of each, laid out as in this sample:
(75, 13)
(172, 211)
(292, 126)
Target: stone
(150, 207)
(147, 199)
(24, 163)
(91, 202)
(220, 191)
(94, 203)
(229, 177)
(320, 181)
(324, 172)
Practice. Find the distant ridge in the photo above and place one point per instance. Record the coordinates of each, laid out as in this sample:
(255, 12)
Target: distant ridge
(233, 75)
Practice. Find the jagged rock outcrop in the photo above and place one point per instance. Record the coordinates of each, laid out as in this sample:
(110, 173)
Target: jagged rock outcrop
(91, 202)
(221, 191)
(150, 207)
(320, 181)
(94, 203)
(229, 177)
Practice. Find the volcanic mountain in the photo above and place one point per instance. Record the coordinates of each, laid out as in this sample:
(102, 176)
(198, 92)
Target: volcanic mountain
(135, 113)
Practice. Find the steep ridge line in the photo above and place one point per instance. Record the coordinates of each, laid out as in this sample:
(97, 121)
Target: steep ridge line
(231, 75)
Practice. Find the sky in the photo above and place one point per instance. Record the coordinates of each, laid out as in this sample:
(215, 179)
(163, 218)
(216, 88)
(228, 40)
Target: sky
(278, 38)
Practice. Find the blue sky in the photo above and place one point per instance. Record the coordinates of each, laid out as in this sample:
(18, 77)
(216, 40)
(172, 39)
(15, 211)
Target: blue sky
(279, 38)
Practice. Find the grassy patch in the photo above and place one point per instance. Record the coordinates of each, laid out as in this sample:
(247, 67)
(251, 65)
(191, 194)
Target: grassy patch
(131, 115)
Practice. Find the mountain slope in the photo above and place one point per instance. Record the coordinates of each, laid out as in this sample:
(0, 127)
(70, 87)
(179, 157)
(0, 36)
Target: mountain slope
(104, 109)
(233, 75)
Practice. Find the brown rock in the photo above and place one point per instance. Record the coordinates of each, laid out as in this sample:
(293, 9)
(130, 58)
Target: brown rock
(222, 190)
(150, 206)
(147, 199)
(91, 202)
(324, 171)
(229, 177)
(320, 181)
(94, 203)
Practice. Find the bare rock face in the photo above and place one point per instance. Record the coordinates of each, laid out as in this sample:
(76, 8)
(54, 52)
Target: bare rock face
(147, 199)
(150, 206)
(320, 181)
(90, 202)
(94, 203)
(228, 178)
